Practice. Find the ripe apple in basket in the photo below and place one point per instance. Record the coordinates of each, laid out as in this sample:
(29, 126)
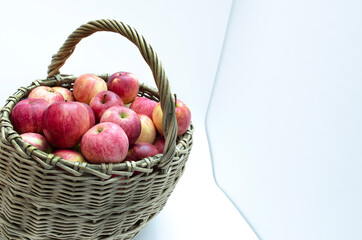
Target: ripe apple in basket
(104, 100)
(183, 117)
(143, 105)
(126, 118)
(37, 140)
(26, 115)
(66, 93)
(87, 86)
(105, 143)
(47, 93)
(92, 117)
(148, 130)
(141, 150)
(64, 123)
(125, 85)
(69, 155)
(159, 143)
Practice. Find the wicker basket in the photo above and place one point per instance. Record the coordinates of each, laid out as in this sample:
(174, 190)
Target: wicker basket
(46, 197)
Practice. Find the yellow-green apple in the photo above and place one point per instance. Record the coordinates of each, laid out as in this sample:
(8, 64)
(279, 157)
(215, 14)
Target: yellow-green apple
(105, 143)
(143, 105)
(37, 140)
(125, 85)
(64, 123)
(47, 93)
(183, 117)
(126, 118)
(104, 100)
(69, 155)
(87, 86)
(148, 130)
(159, 143)
(26, 115)
(92, 117)
(141, 150)
(66, 93)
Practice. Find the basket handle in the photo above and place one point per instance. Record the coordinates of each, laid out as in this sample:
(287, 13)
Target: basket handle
(166, 99)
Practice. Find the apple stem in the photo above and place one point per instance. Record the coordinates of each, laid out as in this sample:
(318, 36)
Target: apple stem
(175, 99)
(104, 98)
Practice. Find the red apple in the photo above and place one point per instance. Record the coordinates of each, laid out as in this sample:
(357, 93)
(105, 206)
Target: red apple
(183, 117)
(26, 115)
(87, 86)
(66, 93)
(37, 140)
(126, 118)
(64, 123)
(105, 143)
(143, 105)
(148, 130)
(159, 143)
(104, 100)
(125, 85)
(141, 150)
(69, 155)
(47, 93)
(92, 117)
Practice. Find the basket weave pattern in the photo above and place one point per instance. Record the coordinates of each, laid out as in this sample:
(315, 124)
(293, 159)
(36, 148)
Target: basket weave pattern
(45, 197)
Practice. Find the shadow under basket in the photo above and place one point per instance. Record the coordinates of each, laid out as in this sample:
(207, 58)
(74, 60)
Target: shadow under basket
(44, 197)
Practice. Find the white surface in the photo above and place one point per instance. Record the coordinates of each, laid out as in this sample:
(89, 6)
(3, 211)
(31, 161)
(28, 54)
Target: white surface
(187, 36)
(197, 209)
(285, 118)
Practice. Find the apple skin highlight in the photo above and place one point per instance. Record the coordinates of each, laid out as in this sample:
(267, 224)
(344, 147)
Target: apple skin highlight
(64, 123)
(125, 85)
(105, 143)
(127, 119)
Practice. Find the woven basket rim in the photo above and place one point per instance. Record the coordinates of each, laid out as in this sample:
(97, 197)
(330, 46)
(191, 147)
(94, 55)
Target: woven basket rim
(49, 160)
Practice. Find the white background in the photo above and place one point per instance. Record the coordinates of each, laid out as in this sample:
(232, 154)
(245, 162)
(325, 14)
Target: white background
(291, 138)
(187, 36)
